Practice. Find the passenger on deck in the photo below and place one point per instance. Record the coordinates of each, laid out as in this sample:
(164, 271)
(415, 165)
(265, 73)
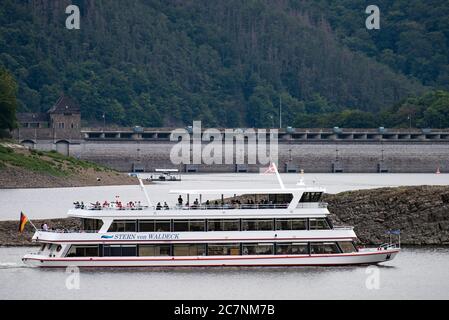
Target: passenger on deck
(166, 206)
(180, 201)
(158, 206)
(45, 227)
(105, 204)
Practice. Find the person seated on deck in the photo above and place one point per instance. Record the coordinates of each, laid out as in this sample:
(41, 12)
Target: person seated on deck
(207, 204)
(180, 201)
(139, 205)
(77, 204)
(195, 204)
(105, 204)
(166, 206)
(158, 206)
(82, 205)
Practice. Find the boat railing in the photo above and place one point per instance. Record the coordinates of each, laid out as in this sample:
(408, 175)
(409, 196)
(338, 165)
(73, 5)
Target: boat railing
(343, 228)
(310, 205)
(189, 207)
(387, 246)
(67, 231)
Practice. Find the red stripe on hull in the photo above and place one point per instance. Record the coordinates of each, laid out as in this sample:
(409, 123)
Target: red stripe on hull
(223, 258)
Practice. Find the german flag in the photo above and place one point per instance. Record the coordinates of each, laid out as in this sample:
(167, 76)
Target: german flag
(23, 222)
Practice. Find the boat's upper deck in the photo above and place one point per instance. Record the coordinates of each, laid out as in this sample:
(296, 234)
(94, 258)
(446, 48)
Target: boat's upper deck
(236, 202)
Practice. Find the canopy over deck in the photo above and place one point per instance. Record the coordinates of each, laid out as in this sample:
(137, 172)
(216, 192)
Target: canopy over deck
(249, 191)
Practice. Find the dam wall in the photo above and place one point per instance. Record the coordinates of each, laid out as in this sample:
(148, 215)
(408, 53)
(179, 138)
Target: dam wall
(311, 157)
(313, 150)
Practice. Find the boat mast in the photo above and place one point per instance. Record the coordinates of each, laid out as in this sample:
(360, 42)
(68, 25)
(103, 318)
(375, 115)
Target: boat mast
(145, 192)
(281, 183)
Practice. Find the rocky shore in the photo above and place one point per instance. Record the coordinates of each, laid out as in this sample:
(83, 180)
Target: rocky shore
(421, 213)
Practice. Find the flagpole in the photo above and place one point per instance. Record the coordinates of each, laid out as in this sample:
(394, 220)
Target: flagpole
(33, 225)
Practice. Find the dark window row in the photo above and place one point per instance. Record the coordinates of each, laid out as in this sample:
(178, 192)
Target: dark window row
(193, 225)
(311, 197)
(211, 249)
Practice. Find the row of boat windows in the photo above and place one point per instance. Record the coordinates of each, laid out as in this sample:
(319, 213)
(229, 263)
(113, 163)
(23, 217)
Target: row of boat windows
(220, 225)
(211, 249)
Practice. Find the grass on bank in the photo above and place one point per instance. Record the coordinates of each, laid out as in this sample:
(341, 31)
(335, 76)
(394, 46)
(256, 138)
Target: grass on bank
(48, 162)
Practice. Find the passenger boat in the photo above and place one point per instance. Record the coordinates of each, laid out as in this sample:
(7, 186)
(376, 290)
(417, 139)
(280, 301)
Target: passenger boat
(241, 227)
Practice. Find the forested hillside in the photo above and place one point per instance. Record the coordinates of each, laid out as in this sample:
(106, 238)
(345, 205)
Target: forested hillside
(227, 63)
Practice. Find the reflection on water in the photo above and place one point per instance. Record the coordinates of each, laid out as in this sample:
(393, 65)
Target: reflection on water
(54, 203)
(406, 277)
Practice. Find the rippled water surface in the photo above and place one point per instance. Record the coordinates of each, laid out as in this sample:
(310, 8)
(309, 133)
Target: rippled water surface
(416, 273)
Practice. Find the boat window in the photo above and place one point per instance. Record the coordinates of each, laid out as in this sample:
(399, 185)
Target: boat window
(123, 226)
(318, 224)
(291, 224)
(347, 247)
(83, 251)
(259, 201)
(154, 250)
(197, 225)
(223, 225)
(311, 197)
(282, 199)
(91, 224)
(292, 248)
(146, 225)
(43, 247)
(324, 248)
(189, 249)
(119, 250)
(257, 248)
(223, 249)
(180, 225)
(162, 226)
(257, 224)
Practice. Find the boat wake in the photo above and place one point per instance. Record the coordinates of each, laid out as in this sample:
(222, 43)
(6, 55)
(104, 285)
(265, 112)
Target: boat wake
(12, 265)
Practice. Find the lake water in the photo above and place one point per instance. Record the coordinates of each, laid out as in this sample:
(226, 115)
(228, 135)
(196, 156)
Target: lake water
(416, 273)
(54, 203)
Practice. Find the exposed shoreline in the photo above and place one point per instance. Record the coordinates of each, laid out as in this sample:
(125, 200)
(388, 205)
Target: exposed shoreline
(19, 178)
(23, 168)
(421, 213)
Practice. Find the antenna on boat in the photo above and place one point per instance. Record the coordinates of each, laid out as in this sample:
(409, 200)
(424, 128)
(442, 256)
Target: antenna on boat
(301, 180)
(145, 192)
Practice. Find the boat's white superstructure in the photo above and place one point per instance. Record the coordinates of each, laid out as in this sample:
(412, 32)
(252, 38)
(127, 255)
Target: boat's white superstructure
(251, 227)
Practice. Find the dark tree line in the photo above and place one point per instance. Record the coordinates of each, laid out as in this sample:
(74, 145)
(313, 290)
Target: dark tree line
(227, 63)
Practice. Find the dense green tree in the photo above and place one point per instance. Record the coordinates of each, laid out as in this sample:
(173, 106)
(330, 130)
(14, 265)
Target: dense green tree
(231, 63)
(8, 103)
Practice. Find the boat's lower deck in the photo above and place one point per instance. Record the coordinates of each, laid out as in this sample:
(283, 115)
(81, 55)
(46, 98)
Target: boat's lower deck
(355, 258)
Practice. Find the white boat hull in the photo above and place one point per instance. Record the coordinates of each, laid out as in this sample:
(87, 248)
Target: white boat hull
(356, 258)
